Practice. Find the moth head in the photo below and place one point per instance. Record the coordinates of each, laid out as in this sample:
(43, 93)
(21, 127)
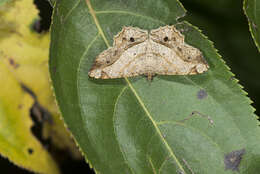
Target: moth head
(96, 73)
(168, 35)
(130, 36)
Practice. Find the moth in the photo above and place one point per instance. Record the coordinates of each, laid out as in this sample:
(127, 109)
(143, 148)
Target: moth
(137, 52)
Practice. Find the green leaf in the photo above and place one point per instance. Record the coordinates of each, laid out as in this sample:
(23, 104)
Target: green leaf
(135, 126)
(232, 39)
(252, 11)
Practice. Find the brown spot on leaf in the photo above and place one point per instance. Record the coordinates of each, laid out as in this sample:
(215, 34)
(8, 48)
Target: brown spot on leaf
(30, 151)
(19, 44)
(232, 159)
(28, 90)
(37, 26)
(202, 94)
(13, 63)
(40, 116)
(40, 113)
(254, 25)
(20, 106)
(54, 69)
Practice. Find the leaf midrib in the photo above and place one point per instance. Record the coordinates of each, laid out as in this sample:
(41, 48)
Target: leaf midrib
(93, 14)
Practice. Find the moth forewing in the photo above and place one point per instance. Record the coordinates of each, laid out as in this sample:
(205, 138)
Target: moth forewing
(135, 52)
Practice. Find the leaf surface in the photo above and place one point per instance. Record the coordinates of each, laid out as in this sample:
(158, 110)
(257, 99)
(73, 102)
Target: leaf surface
(135, 126)
(252, 11)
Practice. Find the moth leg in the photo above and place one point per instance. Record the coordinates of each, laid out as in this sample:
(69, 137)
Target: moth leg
(150, 76)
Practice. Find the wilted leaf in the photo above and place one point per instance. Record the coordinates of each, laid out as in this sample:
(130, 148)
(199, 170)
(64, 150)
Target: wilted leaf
(16, 140)
(252, 11)
(136, 126)
(24, 59)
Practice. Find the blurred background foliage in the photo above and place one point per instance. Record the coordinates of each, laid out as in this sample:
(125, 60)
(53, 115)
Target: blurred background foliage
(32, 133)
(224, 22)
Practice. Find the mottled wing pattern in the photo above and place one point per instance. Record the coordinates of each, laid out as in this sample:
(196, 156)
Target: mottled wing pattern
(108, 63)
(134, 52)
(183, 58)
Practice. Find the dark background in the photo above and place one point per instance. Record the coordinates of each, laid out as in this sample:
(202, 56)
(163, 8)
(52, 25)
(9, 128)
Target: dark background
(223, 21)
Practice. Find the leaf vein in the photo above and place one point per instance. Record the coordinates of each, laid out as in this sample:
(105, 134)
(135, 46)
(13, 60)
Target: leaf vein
(151, 162)
(71, 10)
(121, 150)
(163, 163)
(129, 13)
(92, 12)
(190, 127)
(154, 124)
(195, 84)
(86, 50)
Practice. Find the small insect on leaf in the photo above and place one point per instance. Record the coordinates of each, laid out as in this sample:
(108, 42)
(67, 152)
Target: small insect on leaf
(137, 52)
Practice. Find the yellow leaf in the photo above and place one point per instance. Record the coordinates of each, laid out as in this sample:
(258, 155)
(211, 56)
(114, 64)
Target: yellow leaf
(16, 140)
(24, 60)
